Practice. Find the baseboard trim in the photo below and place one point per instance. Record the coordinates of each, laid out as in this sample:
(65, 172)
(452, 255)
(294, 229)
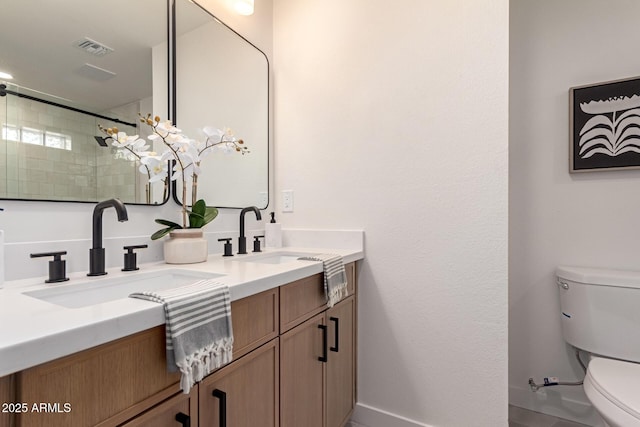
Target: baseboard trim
(367, 416)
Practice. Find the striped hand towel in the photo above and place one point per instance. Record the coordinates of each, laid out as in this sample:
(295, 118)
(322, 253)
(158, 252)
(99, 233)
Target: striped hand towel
(198, 328)
(335, 277)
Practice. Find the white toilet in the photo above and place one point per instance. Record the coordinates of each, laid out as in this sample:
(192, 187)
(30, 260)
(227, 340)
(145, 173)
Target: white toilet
(601, 315)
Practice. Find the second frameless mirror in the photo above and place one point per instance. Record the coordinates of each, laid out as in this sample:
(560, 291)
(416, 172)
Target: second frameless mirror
(222, 80)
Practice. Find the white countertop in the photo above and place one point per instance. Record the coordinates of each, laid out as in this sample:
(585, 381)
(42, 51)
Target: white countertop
(33, 331)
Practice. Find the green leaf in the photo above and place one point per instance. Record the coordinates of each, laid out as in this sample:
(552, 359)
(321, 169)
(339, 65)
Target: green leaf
(168, 223)
(201, 215)
(162, 232)
(199, 207)
(196, 220)
(210, 215)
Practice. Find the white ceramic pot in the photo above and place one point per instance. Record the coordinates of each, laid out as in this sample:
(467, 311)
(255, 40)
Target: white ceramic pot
(185, 246)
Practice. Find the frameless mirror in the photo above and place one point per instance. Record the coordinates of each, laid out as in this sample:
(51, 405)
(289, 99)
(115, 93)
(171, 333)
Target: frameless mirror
(222, 80)
(78, 65)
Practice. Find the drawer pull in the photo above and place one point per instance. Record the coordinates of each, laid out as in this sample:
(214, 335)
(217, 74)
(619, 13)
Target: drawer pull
(336, 341)
(223, 406)
(323, 358)
(183, 419)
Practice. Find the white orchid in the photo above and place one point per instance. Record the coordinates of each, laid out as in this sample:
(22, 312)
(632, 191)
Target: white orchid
(155, 166)
(162, 129)
(223, 140)
(121, 139)
(133, 148)
(187, 154)
(212, 133)
(129, 147)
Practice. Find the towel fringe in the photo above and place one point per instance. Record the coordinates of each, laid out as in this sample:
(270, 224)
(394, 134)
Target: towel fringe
(204, 361)
(337, 294)
(335, 277)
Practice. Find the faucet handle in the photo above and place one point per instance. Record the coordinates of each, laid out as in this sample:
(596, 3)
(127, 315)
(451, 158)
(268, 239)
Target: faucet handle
(130, 258)
(228, 249)
(256, 243)
(57, 267)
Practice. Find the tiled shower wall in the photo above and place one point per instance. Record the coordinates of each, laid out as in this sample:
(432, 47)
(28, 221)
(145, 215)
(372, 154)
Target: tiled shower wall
(86, 172)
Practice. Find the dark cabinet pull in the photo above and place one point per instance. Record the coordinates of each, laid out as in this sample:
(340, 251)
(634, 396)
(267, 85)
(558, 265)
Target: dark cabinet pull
(336, 338)
(323, 358)
(223, 406)
(183, 419)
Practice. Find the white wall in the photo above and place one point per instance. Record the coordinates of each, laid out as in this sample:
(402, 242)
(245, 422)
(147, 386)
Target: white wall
(587, 219)
(392, 117)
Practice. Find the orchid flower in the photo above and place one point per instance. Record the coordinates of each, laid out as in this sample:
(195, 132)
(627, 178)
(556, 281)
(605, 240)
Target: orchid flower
(185, 152)
(155, 166)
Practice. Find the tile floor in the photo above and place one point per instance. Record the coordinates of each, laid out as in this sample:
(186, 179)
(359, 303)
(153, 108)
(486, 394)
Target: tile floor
(519, 417)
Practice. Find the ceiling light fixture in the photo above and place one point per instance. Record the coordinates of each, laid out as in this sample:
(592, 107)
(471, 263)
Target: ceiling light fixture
(4, 75)
(244, 7)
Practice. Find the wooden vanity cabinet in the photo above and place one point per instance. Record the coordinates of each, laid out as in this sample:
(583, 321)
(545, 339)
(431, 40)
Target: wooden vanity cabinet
(317, 357)
(244, 393)
(111, 384)
(276, 377)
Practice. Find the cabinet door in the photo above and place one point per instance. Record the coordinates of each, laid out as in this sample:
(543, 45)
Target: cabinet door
(107, 384)
(244, 393)
(340, 385)
(180, 410)
(302, 374)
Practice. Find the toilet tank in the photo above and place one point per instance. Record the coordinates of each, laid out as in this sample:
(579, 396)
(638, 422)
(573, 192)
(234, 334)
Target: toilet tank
(600, 310)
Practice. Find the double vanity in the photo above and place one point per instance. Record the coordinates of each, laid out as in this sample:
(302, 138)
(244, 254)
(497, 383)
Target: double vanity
(82, 353)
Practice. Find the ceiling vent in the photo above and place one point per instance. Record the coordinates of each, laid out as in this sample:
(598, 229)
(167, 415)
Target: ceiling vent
(93, 47)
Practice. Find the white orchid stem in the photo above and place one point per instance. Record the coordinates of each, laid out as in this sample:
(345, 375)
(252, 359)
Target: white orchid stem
(222, 141)
(194, 188)
(182, 168)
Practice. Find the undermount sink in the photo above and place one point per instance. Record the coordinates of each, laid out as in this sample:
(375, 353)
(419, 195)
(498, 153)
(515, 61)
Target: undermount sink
(98, 291)
(274, 257)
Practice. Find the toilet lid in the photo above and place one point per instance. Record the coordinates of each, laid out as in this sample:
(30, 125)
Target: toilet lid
(618, 382)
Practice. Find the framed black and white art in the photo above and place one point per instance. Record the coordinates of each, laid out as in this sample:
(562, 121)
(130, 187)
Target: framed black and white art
(604, 131)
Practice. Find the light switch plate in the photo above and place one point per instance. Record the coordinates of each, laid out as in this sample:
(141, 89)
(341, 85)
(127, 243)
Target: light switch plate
(287, 201)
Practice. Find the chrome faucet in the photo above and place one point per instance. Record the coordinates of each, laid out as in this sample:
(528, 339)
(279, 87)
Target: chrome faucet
(242, 240)
(96, 253)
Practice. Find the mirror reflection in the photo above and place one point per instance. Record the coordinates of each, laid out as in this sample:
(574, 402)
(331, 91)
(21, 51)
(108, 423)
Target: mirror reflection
(222, 81)
(108, 61)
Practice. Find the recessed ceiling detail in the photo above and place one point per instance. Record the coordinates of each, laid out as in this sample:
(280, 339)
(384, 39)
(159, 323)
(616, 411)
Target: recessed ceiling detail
(93, 47)
(95, 73)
